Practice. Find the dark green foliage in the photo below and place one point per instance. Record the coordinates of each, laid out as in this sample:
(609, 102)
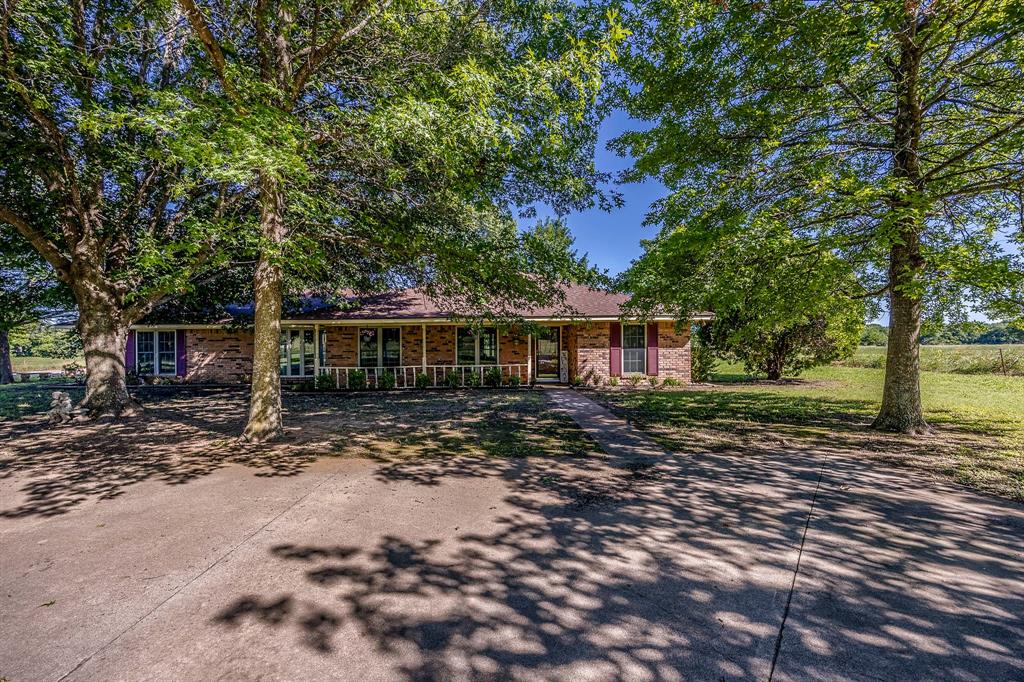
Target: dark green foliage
(473, 380)
(703, 361)
(451, 379)
(874, 335)
(493, 377)
(422, 380)
(514, 381)
(386, 381)
(325, 382)
(356, 380)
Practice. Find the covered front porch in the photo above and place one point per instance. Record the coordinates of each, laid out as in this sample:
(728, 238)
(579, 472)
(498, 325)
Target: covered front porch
(421, 354)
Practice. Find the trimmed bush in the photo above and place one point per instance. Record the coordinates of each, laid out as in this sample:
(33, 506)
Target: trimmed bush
(473, 380)
(671, 382)
(357, 380)
(653, 381)
(514, 381)
(325, 382)
(386, 381)
(422, 380)
(635, 379)
(492, 377)
(451, 379)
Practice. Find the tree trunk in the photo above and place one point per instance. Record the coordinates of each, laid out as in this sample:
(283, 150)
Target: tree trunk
(901, 397)
(265, 421)
(774, 370)
(104, 336)
(6, 371)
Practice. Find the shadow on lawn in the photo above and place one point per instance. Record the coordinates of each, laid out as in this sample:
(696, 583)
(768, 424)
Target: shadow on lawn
(186, 433)
(678, 571)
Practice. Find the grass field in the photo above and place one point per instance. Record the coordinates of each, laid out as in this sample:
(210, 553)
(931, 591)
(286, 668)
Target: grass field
(979, 420)
(33, 364)
(965, 359)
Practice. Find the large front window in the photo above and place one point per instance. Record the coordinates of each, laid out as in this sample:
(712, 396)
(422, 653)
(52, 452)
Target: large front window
(634, 349)
(156, 352)
(297, 350)
(380, 347)
(478, 347)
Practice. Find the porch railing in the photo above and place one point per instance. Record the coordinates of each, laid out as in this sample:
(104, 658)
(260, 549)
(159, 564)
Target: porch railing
(437, 375)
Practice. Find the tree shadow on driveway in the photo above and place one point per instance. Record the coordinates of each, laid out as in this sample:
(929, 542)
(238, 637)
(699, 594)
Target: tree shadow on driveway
(677, 571)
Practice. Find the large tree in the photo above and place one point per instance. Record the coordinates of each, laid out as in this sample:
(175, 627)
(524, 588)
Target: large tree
(98, 166)
(387, 143)
(887, 132)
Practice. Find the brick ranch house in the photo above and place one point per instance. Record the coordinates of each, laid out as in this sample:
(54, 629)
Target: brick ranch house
(406, 334)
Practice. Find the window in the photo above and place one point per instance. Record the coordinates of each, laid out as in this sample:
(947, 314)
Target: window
(480, 348)
(156, 352)
(380, 346)
(297, 349)
(634, 349)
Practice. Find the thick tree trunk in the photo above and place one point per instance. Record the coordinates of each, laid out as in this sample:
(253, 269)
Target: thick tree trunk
(901, 397)
(265, 422)
(6, 371)
(774, 369)
(104, 336)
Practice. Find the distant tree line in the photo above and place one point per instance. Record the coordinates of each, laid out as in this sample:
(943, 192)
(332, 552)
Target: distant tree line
(952, 334)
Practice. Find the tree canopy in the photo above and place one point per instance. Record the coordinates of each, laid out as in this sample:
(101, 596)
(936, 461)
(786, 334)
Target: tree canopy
(889, 134)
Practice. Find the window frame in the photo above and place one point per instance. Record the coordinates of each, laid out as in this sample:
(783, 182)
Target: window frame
(643, 349)
(380, 346)
(476, 347)
(303, 374)
(156, 352)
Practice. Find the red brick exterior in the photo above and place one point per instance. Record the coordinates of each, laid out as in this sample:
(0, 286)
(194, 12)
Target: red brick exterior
(673, 352)
(225, 356)
(218, 355)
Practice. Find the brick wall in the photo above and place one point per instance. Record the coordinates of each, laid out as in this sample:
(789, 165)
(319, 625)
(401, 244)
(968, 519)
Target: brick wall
(673, 352)
(218, 355)
(592, 346)
(342, 346)
(412, 345)
(513, 348)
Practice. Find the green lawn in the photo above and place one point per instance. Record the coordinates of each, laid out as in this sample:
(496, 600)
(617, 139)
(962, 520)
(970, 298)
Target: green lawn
(962, 359)
(979, 438)
(34, 364)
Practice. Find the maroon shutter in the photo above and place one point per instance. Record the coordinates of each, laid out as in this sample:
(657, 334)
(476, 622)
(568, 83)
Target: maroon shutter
(181, 362)
(615, 350)
(129, 352)
(652, 348)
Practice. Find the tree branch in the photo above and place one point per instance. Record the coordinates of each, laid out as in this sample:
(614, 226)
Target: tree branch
(202, 28)
(46, 248)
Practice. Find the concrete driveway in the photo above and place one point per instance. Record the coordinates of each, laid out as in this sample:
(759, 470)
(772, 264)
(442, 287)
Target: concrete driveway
(784, 565)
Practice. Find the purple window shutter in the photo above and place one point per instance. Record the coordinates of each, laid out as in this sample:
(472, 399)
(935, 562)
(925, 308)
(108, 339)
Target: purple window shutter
(129, 352)
(615, 350)
(652, 348)
(181, 366)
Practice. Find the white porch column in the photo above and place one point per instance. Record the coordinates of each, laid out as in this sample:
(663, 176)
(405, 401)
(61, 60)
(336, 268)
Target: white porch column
(529, 357)
(423, 345)
(316, 350)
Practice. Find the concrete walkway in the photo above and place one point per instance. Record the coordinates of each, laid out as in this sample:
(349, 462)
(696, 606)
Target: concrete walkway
(620, 440)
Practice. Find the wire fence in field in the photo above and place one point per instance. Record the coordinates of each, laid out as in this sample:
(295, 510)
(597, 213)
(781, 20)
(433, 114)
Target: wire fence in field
(976, 359)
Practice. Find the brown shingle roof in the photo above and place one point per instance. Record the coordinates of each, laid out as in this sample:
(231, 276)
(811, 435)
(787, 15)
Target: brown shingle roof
(583, 301)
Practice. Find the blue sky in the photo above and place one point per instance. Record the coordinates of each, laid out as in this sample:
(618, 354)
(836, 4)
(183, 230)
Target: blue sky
(612, 239)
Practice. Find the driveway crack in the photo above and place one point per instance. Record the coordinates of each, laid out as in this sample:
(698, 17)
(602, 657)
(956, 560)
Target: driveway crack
(796, 570)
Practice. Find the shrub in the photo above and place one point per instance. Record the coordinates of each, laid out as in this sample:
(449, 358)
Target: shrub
(703, 363)
(357, 380)
(671, 382)
(514, 381)
(473, 380)
(613, 381)
(653, 381)
(492, 377)
(386, 381)
(326, 382)
(451, 379)
(591, 377)
(635, 379)
(422, 380)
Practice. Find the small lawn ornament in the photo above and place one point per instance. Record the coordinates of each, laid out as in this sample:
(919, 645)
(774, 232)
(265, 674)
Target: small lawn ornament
(60, 408)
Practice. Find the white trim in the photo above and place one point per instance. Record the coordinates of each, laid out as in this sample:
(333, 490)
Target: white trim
(156, 352)
(558, 357)
(423, 346)
(622, 348)
(302, 352)
(380, 345)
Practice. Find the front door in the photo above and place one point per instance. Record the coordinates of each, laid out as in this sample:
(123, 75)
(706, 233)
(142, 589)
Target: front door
(546, 349)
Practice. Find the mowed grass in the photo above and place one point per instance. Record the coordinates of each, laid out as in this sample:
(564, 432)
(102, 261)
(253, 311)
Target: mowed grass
(979, 420)
(1007, 360)
(35, 364)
